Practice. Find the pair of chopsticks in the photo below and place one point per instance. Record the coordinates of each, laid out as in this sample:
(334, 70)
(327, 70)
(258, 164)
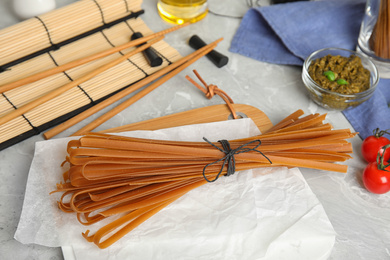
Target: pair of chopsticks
(172, 69)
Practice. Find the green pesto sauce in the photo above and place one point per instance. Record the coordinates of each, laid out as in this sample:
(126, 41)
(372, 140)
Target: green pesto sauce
(349, 69)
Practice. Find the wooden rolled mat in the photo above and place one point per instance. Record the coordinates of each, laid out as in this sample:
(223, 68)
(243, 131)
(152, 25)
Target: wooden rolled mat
(89, 16)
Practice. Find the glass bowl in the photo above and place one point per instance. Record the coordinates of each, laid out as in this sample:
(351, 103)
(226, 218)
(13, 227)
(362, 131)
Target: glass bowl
(330, 99)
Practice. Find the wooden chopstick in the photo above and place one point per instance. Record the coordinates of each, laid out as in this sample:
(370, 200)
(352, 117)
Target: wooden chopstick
(189, 58)
(73, 64)
(23, 109)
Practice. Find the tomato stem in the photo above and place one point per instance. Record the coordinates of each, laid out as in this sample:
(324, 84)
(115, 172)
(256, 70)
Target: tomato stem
(378, 133)
(380, 159)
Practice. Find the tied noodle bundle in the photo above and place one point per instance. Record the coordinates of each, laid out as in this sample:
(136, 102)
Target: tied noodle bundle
(134, 178)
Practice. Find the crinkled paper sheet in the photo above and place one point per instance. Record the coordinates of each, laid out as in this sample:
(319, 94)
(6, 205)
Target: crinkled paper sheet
(268, 213)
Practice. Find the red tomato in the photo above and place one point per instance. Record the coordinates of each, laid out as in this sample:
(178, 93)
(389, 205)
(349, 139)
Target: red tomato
(372, 145)
(375, 179)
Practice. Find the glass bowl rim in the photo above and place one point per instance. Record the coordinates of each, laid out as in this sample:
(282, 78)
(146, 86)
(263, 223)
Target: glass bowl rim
(319, 88)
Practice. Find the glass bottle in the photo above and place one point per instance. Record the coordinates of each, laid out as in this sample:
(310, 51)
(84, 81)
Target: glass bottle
(374, 37)
(181, 11)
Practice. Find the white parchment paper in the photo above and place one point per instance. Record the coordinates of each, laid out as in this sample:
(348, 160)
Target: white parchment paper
(266, 213)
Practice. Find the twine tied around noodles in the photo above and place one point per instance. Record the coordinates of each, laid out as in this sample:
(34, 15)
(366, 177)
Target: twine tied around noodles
(229, 156)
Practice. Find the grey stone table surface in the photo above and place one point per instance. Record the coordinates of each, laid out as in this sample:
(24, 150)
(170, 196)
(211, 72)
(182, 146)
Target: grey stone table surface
(360, 219)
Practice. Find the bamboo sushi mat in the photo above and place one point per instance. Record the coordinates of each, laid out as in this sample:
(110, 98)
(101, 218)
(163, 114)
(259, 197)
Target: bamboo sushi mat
(72, 32)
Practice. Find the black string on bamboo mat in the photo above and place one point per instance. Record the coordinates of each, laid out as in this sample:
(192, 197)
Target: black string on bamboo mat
(9, 101)
(35, 129)
(127, 6)
(101, 11)
(2, 69)
(228, 159)
(70, 78)
(55, 46)
(121, 53)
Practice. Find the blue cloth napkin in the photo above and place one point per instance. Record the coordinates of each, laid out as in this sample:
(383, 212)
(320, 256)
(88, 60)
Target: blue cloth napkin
(288, 33)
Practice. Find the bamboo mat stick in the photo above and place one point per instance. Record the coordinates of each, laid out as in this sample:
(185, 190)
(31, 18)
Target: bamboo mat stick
(23, 109)
(195, 55)
(82, 61)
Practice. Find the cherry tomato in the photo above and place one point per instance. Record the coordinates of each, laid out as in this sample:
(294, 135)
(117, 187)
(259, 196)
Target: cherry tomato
(374, 144)
(375, 179)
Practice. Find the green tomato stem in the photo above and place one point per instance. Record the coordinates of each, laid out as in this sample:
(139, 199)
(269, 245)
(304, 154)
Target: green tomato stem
(380, 159)
(378, 133)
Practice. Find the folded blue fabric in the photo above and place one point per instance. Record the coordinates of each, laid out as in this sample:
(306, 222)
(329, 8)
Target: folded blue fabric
(372, 114)
(288, 33)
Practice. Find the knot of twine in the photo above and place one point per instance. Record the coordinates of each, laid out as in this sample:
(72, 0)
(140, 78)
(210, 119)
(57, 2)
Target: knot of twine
(211, 90)
(229, 159)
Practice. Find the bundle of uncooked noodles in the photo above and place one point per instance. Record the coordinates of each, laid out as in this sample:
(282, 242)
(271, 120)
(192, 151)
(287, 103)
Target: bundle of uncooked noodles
(134, 178)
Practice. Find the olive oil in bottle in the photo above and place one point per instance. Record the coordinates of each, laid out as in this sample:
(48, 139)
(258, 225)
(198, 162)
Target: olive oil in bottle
(182, 11)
